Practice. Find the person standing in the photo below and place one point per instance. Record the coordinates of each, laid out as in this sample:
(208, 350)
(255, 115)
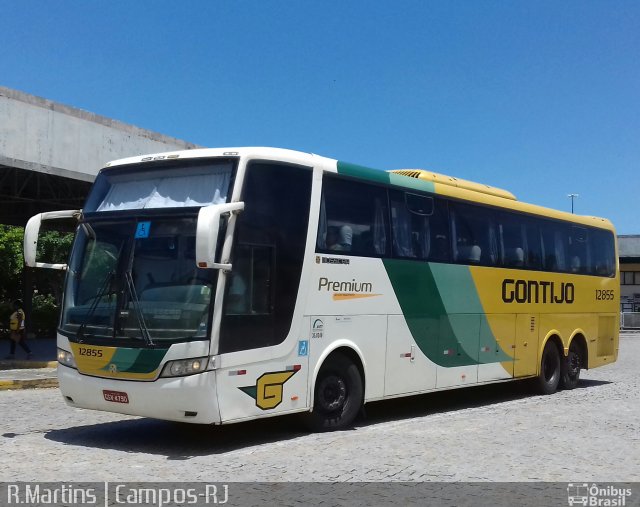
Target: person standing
(16, 326)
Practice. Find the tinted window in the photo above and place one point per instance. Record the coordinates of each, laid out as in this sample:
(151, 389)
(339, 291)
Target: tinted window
(353, 219)
(512, 235)
(419, 227)
(554, 245)
(474, 235)
(269, 244)
(603, 256)
(520, 241)
(578, 251)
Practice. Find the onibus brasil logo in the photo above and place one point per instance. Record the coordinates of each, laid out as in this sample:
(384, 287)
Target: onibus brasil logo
(597, 496)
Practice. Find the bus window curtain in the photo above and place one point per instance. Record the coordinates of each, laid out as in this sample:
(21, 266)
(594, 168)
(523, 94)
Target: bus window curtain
(168, 192)
(424, 241)
(561, 263)
(401, 230)
(493, 244)
(379, 232)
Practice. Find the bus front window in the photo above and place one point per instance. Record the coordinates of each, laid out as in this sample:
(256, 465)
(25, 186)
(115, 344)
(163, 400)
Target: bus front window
(131, 278)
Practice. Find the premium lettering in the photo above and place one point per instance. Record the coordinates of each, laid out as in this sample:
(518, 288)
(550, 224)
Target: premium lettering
(344, 286)
(533, 291)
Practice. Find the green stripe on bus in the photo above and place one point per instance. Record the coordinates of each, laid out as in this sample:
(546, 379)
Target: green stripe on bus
(137, 360)
(413, 183)
(442, 309)
(460, 296)
(362, 172)
(148, 361)
(386, 178)
(425, 313)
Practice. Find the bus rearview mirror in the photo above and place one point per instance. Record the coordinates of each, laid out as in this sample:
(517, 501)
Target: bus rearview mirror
(207, 232)
(31, 231)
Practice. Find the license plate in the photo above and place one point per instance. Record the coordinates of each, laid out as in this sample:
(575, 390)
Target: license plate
(116, 396)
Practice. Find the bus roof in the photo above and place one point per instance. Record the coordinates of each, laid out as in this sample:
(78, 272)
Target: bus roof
(465, 190)
(417, 179)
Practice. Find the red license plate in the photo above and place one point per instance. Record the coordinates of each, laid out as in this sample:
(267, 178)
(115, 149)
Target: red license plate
(116, 396)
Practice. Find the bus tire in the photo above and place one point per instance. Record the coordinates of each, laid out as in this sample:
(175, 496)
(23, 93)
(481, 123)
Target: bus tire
(338, 395)
(550, 369)
(571, 366)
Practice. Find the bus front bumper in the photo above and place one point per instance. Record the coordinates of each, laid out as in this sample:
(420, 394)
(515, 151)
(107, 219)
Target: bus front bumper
(186, 399)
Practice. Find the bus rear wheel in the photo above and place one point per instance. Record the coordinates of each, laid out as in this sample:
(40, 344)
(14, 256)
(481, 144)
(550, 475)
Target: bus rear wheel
(338, 395)
(550, 369)
(571, 366)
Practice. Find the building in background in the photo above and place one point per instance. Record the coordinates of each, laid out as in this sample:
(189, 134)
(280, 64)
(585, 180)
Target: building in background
(629, 252)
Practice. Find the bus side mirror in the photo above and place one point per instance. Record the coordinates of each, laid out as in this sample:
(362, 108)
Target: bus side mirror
(207, 233)
(31, 236)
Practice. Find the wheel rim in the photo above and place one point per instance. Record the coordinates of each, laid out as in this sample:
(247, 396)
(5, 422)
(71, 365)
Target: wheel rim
(332, 393)
(574, 364)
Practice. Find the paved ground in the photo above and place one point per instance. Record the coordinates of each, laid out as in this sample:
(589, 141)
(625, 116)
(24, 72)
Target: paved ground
(495, 433)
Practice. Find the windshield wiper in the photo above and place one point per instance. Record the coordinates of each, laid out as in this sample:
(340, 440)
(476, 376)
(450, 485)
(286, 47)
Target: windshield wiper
(106, 284)
(144, 330)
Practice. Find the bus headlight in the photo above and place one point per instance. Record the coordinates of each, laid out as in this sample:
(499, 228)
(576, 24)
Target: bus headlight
(183, 367)
(66, 359)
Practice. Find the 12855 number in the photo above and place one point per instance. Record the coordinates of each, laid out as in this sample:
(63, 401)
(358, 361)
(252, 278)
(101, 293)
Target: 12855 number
(604, 295)
(83, 351)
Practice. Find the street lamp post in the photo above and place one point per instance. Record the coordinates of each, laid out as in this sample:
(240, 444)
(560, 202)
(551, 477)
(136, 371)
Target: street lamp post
(572, 197)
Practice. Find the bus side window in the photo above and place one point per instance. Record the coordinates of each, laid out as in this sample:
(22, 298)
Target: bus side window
(578, 253)
(475, 238)
(419, 227)
(440, 250)
(268, 253)
(250, 288)
(554, 241)
(520, 241)
(533, 247)
(353, 219)
(512, 241)
(601, 246)
(402, 227)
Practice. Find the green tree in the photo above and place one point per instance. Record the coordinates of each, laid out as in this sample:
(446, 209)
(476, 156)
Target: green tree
(54, 247)
(11, 262)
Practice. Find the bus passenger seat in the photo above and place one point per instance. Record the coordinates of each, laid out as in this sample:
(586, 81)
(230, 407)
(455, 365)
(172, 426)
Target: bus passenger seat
(575, 264)
(514, 257)
(469, 254)
(475, 253)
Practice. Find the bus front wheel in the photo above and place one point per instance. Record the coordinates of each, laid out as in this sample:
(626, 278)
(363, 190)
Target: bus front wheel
(550, 369)
(338, 395)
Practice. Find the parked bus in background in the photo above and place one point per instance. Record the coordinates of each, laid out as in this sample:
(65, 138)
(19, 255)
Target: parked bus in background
(222, 285)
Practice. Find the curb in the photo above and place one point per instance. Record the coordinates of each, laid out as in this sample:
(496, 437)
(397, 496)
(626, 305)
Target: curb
(41, 383)
(26, 364)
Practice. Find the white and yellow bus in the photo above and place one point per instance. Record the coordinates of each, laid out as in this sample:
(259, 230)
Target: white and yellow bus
(222, 285)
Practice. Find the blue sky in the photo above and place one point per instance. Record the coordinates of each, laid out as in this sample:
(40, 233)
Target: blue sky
(539, 97)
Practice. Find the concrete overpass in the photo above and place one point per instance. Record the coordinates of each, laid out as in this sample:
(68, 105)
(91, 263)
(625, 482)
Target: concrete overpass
(50, 153)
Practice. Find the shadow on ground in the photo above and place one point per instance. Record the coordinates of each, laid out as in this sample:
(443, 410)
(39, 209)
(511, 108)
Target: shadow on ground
(453, 400)
(180, 441)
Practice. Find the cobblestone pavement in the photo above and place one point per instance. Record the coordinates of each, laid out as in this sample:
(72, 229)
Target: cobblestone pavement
(493, 433)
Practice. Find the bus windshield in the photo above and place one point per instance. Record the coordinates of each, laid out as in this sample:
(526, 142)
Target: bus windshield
(136, 279)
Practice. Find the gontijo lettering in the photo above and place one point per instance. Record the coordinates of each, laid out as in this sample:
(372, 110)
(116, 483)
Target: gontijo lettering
(532, 291)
